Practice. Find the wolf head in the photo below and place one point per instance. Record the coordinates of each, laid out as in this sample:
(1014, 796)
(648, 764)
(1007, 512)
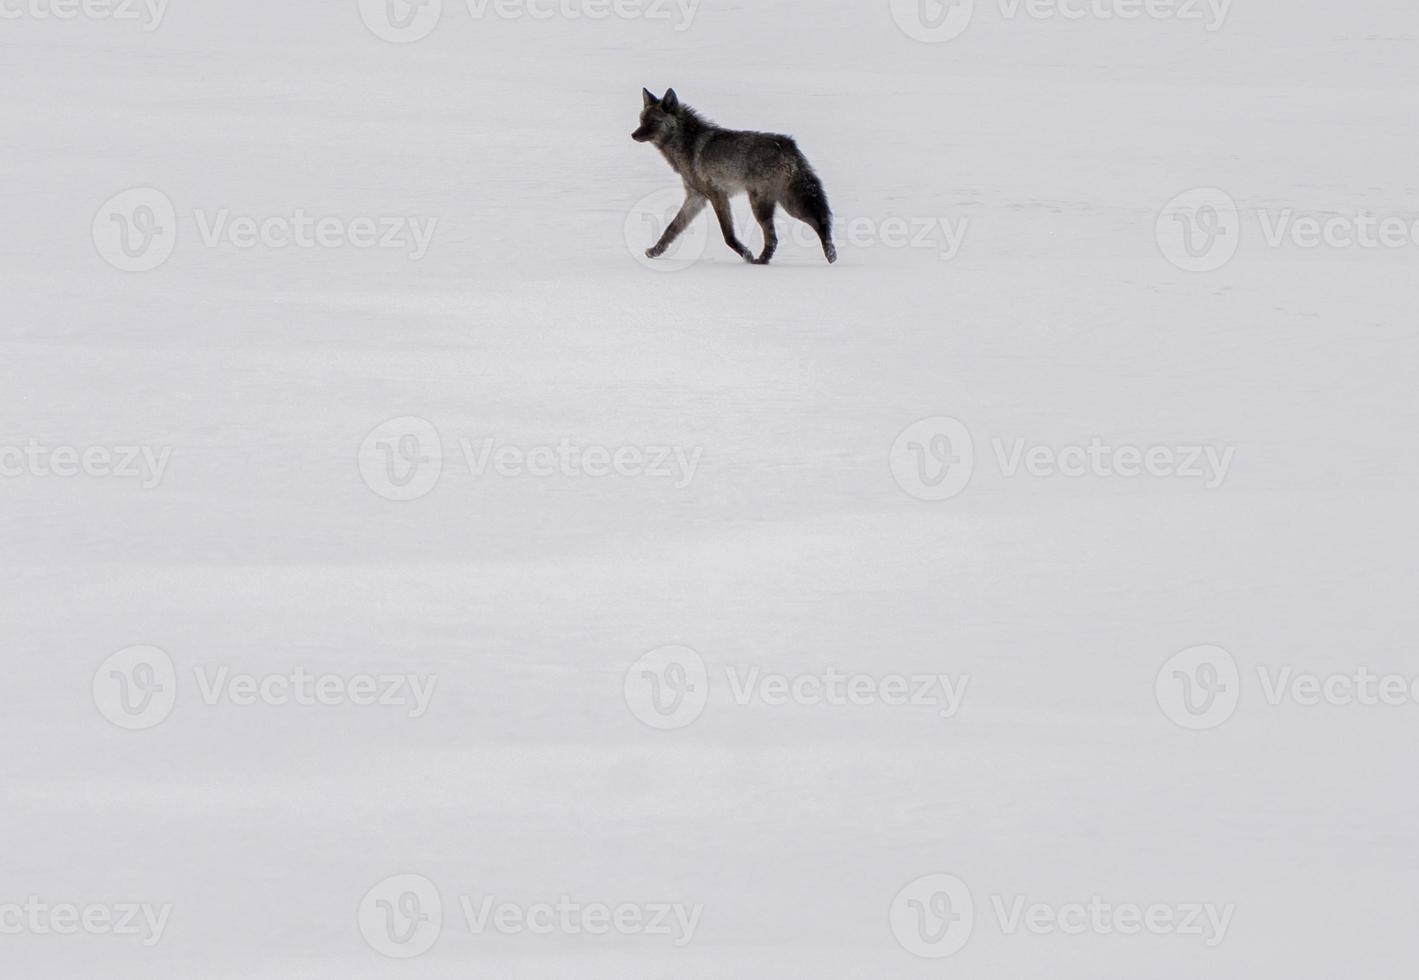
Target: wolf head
(660, 118)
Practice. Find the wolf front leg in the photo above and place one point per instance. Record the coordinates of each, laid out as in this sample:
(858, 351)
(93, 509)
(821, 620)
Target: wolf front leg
(726, 225)
(694, 204)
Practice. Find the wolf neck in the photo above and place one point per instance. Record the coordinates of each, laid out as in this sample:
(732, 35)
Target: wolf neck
(681, 147)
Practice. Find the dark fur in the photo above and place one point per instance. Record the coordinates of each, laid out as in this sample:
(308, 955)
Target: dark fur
(716, 164)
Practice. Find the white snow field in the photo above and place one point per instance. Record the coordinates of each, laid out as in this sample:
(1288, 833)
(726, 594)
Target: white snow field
(1028, 595)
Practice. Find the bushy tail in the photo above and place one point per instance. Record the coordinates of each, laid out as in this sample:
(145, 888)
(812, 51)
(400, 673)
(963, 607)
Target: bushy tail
(809, 202)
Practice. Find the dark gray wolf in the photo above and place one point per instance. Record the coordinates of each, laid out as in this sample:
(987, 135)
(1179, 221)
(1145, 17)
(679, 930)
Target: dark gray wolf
(716, 164)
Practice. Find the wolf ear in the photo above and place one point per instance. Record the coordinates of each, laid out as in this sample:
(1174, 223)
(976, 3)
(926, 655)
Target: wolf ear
(650, 100)
(671, 102)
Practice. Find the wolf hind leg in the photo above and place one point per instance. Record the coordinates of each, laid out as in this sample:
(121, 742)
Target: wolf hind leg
(807, 202)
(764, 207)
(726, 226)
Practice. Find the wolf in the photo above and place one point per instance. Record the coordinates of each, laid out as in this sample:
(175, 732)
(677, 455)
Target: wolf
(716, 163)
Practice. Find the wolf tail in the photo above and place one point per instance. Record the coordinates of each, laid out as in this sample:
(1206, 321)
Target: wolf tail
(808, 202)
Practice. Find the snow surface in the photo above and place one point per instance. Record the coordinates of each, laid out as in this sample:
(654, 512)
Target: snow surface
(533, 319)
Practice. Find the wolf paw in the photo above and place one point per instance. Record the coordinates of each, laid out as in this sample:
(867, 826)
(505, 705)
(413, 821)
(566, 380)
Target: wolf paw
(654, 253)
